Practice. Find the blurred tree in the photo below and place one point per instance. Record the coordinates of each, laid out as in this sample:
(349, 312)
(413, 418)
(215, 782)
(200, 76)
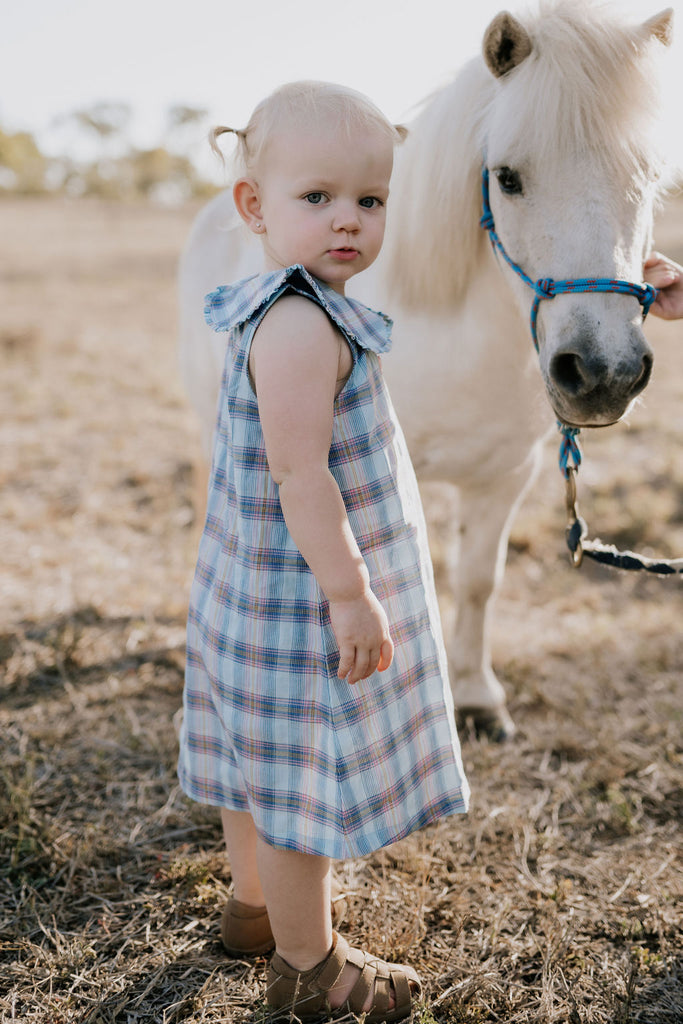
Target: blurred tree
(156, 173)
(180, 116)
(118, 171)
(106, 119)
(186, 130)
(22, 165)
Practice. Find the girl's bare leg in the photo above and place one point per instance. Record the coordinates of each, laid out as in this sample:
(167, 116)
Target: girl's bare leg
(240, 843)
(296, 889)
(297, 892)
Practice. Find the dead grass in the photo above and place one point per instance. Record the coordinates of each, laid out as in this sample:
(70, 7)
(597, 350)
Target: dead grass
(555, 901)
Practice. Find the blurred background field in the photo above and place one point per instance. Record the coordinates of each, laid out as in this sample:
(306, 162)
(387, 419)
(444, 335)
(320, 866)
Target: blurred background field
(557, 899)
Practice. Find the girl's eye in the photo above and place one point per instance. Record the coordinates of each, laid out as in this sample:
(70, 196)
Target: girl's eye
(315, 198)
(370, 202)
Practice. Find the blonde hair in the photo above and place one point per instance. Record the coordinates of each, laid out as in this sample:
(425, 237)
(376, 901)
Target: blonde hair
(298, 105)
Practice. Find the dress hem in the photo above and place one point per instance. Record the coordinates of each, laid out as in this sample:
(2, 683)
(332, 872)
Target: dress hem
(338, 851)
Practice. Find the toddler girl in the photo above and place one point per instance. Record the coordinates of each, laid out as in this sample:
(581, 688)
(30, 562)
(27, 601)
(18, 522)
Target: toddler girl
(317, 710)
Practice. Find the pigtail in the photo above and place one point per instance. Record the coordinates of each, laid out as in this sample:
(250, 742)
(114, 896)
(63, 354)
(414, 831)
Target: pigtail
(219, 130)
(300, 102)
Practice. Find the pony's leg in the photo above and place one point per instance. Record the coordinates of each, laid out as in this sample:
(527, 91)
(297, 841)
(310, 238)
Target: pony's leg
(486, 515)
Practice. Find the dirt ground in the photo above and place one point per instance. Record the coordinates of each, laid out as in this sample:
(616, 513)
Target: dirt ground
(556, 899)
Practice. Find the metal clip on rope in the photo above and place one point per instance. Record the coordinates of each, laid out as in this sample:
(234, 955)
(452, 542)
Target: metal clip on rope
(576, 528)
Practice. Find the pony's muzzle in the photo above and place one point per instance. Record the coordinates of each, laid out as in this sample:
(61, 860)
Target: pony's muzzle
(587, 385)
(576, 376)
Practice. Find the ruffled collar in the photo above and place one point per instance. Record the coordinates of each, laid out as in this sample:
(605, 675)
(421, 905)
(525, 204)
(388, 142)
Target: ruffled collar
(234, 304)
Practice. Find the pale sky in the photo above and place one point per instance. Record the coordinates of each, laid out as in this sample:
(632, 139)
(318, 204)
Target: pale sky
(57, 56)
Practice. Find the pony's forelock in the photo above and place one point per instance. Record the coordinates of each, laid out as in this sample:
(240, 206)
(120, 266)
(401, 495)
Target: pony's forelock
(589, 85)
(608, 111)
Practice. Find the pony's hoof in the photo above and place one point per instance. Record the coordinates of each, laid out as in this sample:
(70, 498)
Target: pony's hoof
(494, 723)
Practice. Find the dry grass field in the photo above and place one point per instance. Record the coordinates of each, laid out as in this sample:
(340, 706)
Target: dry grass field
(557, 900)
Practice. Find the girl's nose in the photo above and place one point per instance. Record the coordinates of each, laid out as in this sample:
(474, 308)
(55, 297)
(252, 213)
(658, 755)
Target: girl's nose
(346, 218)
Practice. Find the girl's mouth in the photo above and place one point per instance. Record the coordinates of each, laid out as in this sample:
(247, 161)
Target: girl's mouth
(344, 254)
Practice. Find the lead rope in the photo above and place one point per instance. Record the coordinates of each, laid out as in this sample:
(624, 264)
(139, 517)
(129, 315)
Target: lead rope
(576, 531)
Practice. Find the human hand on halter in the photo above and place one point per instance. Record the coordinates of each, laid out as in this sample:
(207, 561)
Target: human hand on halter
(362, 632)
(667, 277)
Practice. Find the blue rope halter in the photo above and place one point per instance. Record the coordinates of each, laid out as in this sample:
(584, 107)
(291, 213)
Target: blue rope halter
(576, 530)
(547, 288)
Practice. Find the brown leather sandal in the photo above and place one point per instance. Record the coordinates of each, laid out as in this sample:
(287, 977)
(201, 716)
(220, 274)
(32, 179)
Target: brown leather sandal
(245, 930)
(304, 994)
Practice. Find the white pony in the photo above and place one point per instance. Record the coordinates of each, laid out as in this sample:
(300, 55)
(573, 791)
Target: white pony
(559, 108)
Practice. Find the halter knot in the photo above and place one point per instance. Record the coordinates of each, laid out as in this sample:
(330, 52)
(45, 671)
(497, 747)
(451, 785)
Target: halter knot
(545, 288)
(647, 297)
(486, 220)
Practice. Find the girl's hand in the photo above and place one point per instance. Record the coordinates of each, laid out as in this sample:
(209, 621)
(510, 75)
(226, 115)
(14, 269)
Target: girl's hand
(667, 277)
(362, 632)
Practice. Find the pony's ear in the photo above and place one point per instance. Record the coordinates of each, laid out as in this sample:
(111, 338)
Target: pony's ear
(661, 26)
(506, 44)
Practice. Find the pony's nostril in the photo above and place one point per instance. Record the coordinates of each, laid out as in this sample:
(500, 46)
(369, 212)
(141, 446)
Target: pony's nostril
(569, 372)
(641, 382)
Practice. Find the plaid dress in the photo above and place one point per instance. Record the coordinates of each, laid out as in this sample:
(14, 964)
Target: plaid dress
(323, 767)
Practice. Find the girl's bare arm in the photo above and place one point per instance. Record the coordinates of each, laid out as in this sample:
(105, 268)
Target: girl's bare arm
(296, 359)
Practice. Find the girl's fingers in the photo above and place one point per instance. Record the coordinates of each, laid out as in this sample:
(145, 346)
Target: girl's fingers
(356, 663)
(661, 277)
(661, 271)
(386, 655)
(347, 657)
(373, 662)
(361, 668)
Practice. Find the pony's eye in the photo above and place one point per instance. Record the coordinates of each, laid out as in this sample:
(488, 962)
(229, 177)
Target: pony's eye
(509, 181)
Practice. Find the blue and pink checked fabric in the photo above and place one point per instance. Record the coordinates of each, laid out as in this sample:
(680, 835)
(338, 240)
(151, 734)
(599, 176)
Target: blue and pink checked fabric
(323, 767)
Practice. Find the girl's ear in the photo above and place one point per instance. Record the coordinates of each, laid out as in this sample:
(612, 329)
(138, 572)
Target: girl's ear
(245, 194)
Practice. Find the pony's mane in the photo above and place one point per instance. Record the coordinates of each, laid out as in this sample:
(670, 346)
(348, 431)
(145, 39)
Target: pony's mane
(589, 85)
